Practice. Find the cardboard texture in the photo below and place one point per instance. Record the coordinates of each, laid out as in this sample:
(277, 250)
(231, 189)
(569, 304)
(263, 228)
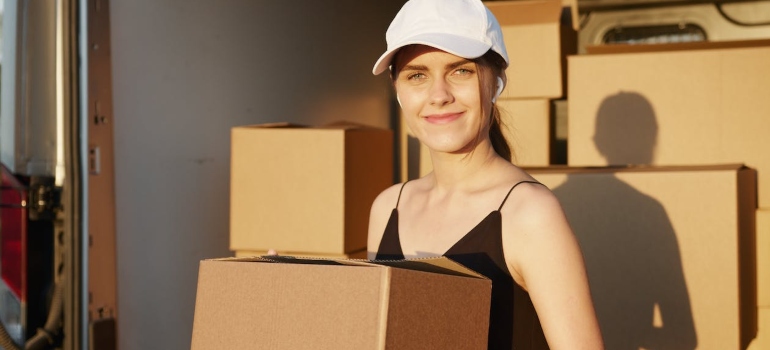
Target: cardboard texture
(532, 35)
(354, 255)
(299, 189)
(670, 252)
(526, 126)
(284, 303)
(763, 259)
(672, 108)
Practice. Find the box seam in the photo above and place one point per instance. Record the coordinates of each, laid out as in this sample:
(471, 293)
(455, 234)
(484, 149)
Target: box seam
(384, 306)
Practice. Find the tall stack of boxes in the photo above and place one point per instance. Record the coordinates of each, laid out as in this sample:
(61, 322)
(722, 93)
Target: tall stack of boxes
(538, 43)
(691, 104)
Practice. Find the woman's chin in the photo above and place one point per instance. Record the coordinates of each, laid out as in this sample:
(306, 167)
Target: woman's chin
(451, 146)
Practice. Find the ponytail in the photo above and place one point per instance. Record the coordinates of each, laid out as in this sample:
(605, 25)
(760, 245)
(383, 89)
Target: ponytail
(491, 67)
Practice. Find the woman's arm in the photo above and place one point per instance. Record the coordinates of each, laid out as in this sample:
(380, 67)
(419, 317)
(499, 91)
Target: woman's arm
(545, 258)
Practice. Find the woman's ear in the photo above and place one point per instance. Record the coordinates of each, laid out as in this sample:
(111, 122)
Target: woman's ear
(500, 87)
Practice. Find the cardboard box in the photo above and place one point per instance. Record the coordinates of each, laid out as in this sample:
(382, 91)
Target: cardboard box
(763, 259)
(533, 36)
(670, 252)
(355, 255)
(299, 189)
(526, 126)
(672, 108)
(281, 303)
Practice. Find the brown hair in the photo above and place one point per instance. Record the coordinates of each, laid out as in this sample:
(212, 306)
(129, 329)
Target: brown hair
(490, 66)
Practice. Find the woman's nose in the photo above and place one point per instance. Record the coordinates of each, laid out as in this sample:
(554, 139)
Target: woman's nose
(440, 93)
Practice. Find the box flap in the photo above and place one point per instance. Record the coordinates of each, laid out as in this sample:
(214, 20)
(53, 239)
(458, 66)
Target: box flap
(276, 125)
(346, 125)
(440, 265)
(246, 258)
(342, 124)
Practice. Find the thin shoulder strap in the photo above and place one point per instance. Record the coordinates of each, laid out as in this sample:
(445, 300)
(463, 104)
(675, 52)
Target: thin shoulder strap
(511, 190)
(399, 193)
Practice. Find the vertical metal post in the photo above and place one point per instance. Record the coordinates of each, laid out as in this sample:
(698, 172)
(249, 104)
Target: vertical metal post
(73, 238)
(102, 306)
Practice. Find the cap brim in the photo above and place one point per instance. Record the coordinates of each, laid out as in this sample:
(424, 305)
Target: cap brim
(456, 45)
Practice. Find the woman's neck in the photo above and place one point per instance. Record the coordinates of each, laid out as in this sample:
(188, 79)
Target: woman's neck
(465, 171)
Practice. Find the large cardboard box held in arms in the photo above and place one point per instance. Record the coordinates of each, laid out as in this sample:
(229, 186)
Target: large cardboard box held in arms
(670, 252)
(706, 106)
(300, 189)
(293, 303)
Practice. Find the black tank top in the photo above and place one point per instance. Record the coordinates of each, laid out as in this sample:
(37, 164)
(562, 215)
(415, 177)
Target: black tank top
(513, 323)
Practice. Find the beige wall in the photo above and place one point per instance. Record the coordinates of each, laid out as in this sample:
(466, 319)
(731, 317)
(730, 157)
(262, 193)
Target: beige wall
(184, 73)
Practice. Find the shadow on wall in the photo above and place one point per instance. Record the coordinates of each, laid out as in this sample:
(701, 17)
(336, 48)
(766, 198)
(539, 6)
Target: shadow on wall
(630, 247)
(626, 119)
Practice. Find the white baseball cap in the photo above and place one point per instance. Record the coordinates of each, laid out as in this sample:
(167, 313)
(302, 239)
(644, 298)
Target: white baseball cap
(465, 28)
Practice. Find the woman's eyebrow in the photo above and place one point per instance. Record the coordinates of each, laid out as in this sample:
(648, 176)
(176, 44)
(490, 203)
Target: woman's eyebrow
(414, 67)
(453, 65)
(449, 66)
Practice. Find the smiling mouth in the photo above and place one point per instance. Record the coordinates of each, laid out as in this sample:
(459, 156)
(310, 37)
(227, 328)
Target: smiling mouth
(442, 118)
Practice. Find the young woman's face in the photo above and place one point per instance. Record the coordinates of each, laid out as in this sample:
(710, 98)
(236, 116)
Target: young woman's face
(440, 98)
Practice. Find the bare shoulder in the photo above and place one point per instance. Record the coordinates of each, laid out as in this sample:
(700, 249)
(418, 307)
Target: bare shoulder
(533, 224)
(531, 205)
(378, 216)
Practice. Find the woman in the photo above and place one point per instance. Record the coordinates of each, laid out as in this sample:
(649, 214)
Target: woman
(447, 62)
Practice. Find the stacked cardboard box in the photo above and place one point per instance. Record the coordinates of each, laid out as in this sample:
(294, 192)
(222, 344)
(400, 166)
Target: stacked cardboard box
(537, 43)
(670, 251)
(703, 106)
(677, 105)
(306, 191)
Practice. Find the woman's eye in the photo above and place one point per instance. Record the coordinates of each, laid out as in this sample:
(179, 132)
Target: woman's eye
(415, 76)
(463, 71)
